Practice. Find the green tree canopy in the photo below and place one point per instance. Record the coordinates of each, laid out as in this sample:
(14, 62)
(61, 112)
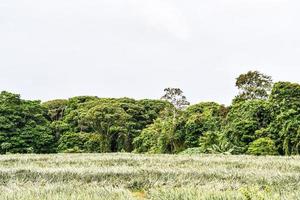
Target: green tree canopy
(106, 120)
(23, 126)
(253, 85)
(244, 119)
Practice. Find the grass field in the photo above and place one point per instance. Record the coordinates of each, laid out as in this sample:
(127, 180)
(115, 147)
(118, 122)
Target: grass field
(131, 176)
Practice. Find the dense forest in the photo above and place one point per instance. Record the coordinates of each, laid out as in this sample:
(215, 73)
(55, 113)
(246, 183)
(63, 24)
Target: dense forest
(263, 119)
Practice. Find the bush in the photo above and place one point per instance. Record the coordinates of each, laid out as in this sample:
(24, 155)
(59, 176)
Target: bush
(94, 143)
(80, 142)
(262, 146)
(208, 139)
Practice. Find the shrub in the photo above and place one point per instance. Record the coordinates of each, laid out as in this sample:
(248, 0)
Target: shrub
(262, 146)
(94, 144)
(80, 142)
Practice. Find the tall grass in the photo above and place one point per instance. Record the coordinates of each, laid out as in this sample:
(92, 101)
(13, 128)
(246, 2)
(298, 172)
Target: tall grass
(132, 176)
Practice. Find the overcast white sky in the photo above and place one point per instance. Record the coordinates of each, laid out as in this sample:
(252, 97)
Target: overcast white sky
(114, 48)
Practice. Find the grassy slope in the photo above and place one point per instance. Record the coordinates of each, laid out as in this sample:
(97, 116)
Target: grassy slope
(131, 176)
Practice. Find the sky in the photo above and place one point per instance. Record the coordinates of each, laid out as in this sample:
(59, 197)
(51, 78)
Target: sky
(136, 48)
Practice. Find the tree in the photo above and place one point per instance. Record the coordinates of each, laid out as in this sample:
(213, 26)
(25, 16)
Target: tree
(176, 97)
(160, 137)
(142, 113)
(285, 128)
(171, 117)
(56, 108)
(253, 124)
(107, 120)
(200, 118)
(290, 134)
(244, 120)
(285, 96)
(24, 127)
(147, 141)
(253, 85)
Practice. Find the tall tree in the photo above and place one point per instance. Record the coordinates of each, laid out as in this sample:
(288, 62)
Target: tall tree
(176, 97)
(107, 120)
(253, 85)
(172, 115)
(285, 128)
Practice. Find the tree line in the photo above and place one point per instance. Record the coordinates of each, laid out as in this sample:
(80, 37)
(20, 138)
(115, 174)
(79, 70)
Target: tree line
(263, 119)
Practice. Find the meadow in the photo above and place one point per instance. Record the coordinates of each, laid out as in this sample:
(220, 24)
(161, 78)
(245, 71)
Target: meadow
(136, 176)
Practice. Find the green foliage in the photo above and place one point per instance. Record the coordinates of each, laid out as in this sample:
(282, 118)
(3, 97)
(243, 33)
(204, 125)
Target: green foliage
(56, 108)
(200, 118)
(175, 96)
(285, 131)
(172, 133)
(107, 120)
(253, 124)
(165, 135)
(23, 126)
(80, 142)
(147, 141)
(285, 128)
(70, 141)
(244, 119)
(262, 146)
(285, 96)
(253, 85)
(208, 140)
(94, 143)
(160, 137)
(290, 133)
(217, 143)
(76, 114)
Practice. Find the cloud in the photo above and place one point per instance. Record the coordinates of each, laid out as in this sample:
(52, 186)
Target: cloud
(163, 16)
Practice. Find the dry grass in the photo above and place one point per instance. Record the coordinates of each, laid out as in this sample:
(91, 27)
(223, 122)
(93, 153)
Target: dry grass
(131, 176)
